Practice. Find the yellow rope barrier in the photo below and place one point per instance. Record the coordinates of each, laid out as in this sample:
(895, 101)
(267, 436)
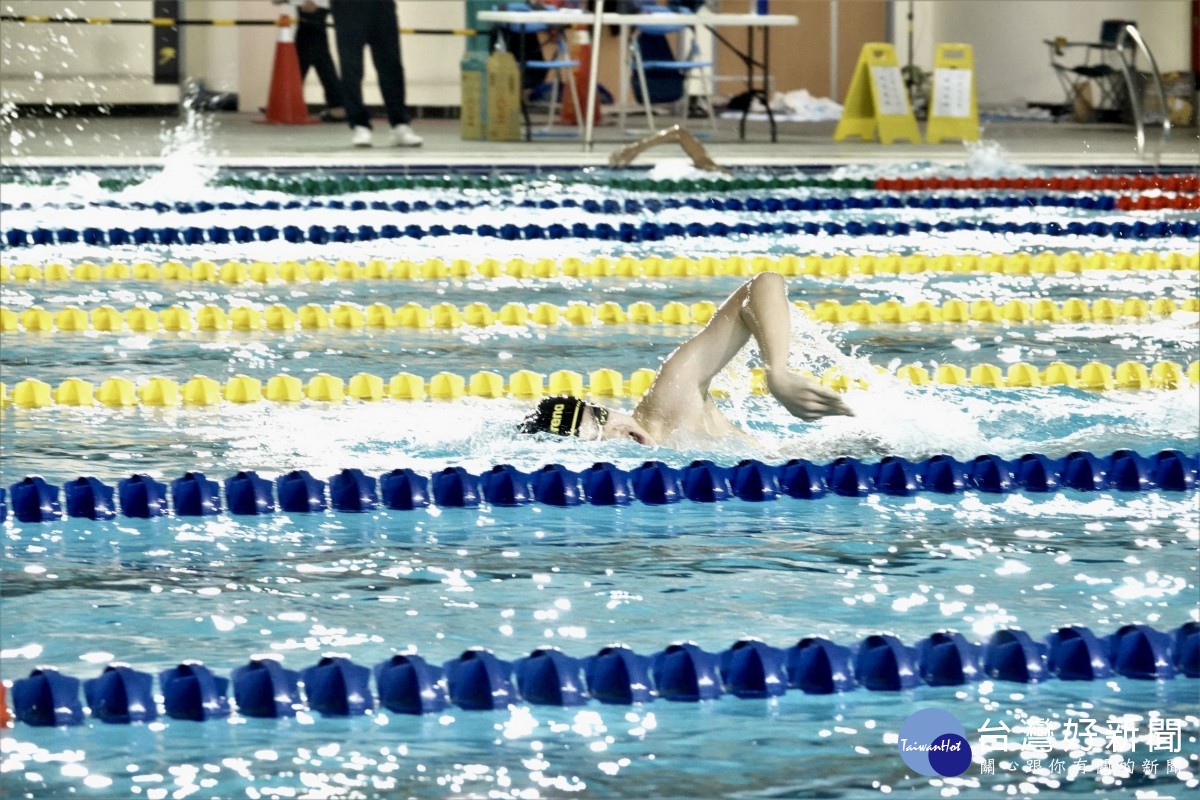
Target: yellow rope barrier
(312, 316)
(667, 266)
(526, 384)
(168, 22)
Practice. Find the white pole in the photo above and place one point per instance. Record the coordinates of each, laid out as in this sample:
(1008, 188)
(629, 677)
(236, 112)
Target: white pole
(833, 50)
(594, 75)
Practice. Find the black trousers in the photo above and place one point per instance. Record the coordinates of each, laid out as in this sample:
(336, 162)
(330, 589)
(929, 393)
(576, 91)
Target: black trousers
(312, 47)
(359, 24)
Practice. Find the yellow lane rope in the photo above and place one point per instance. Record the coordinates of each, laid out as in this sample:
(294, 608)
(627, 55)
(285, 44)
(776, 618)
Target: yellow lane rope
(312, 316)
(666, 266)
(602, 383)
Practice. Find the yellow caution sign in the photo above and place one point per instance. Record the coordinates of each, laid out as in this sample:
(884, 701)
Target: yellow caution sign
(953, 113)
(877, 99)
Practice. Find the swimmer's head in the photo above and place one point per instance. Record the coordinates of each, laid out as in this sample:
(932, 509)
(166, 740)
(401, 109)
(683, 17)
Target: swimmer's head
(570, 416)
(557, 415)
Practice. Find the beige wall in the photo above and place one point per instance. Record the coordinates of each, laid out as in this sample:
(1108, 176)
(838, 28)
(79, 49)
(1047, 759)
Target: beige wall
(104, 63)
(430, 62)
(80, 63)
(803, 57)
(1012, 64)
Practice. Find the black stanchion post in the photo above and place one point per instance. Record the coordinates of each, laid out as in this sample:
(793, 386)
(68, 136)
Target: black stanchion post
(168, 45)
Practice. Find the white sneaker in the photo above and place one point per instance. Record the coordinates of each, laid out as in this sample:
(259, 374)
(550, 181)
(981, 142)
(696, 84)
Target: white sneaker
(362, 136)
(404, 136)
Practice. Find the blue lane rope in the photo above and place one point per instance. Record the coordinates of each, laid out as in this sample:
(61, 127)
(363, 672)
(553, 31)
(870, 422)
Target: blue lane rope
(768, 205)
(617, 675)
(652, 483)
(624, 232)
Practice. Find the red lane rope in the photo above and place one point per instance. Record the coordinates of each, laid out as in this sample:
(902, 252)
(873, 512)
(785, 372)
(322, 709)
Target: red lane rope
(1111, 183)
(1158, 202)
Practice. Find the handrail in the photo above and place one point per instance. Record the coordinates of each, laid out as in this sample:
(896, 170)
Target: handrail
(1135, 101)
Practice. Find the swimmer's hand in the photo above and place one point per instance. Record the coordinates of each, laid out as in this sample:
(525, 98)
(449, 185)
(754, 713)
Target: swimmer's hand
(708, 165)
(805, 398)
(625, 156)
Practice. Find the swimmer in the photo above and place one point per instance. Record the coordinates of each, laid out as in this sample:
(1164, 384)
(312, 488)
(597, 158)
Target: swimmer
(678, 401)
(699, 156)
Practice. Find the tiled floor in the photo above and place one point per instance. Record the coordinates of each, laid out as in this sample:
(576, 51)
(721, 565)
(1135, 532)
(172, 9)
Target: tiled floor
(237, 140)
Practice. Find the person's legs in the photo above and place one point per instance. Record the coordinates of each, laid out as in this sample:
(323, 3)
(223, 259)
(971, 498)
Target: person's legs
(385, 53)
(313, 28)
(351, 29)
(305, 44)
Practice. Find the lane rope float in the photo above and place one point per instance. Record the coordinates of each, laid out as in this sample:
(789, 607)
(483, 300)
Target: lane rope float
(351, 316)
(313, 185)
(202, 391)
(671, 265)
(245, 493)
(478, 680)
(1183, 182)
(645, 231)
(769, 204)
(309, 185)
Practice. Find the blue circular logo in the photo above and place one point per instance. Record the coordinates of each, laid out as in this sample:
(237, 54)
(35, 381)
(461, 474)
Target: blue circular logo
(933, 742)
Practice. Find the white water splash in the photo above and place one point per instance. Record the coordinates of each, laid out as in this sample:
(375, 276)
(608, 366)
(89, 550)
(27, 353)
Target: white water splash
(890, 416)
(984, 159)
(679, 169)
(8, 116)
(188, 163)
(987, 159)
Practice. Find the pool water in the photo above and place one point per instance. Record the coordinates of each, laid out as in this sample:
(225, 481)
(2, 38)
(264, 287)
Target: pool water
(78, 594)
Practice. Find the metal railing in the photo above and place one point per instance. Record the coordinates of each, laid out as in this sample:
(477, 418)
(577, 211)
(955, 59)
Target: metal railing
(1135, 96)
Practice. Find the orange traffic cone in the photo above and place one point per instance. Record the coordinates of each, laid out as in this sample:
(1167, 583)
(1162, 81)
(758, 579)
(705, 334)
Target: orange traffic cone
(581, 51)
(285, 106)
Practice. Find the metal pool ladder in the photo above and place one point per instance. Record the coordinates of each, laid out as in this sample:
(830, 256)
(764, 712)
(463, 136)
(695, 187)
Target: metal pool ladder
(1135, 97)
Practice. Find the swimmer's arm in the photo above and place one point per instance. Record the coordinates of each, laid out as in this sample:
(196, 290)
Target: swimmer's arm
(625, 156)
(758, 308)
(676, 133)
(699, 156)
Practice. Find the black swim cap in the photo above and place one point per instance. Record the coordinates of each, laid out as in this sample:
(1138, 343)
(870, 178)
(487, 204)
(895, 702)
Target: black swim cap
(561, 415)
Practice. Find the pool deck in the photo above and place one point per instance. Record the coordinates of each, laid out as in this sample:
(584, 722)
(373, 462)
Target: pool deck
(237, 140)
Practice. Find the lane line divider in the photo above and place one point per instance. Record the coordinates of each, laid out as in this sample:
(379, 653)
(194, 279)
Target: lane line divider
(245, 493)
(478, 680)
(671, 265)
(446, 316)
(644, 231)
(201, 391)
(770, 204)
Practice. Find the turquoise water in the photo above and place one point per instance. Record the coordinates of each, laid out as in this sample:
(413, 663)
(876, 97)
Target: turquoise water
(78, 595)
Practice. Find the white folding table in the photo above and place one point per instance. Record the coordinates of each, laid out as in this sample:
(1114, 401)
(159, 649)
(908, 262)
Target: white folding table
(624, 22)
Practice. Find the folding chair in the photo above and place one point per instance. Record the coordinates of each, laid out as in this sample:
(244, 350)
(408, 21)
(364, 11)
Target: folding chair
(1101, 67)
(561, 65)
(661, 77)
